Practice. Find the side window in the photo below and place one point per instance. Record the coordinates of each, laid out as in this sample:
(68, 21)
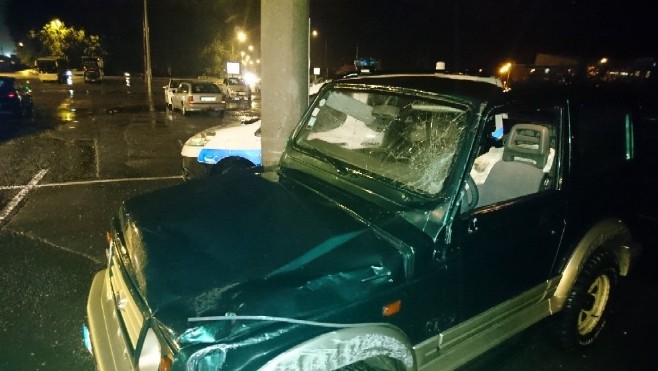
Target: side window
(518, 156)
(603, 138)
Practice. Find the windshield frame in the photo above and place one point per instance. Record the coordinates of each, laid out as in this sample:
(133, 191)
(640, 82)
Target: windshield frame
(374, 184)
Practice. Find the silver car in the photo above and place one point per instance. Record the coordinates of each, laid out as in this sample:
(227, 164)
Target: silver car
(198, 96)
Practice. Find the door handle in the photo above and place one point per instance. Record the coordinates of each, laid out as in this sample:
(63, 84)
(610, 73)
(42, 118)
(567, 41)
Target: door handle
(472, 225)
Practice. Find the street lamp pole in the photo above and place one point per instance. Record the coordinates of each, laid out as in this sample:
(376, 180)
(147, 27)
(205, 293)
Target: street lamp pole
(147, 50)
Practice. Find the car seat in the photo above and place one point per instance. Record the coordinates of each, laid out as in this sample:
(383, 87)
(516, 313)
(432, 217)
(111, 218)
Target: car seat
(383, 115)
(521, 171)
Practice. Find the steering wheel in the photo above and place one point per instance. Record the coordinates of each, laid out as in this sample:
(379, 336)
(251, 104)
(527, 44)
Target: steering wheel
(472, 191)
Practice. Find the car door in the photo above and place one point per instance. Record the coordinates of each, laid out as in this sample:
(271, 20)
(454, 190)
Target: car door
(169, 91)
(180, 95)
(506, 244)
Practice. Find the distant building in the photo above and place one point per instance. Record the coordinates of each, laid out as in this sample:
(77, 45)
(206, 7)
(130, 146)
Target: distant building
(623, 70)
(567, 69)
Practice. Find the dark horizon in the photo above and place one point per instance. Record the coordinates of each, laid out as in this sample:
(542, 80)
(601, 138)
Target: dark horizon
(409, 34)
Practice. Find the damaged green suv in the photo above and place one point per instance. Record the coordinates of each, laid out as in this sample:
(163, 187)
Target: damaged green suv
(414, 222)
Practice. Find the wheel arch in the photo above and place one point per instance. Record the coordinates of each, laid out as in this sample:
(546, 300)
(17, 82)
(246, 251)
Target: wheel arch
(235, 159)
(231, 163)
(611, 234)
(344, 347)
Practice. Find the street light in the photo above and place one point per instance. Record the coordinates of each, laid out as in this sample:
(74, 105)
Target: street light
(241, 36)
(505, 69)
(315, 34)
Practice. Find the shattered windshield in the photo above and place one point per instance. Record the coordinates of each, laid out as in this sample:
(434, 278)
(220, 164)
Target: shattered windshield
(399, 138)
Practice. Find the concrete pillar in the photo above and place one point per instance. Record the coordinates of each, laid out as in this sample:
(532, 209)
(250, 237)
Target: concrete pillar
(284, 71)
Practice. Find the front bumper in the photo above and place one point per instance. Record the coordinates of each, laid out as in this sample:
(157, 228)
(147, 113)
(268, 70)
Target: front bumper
(107, 342)
(193, 169)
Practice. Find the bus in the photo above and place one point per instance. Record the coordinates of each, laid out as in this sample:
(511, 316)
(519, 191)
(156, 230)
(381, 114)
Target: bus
(52, 69)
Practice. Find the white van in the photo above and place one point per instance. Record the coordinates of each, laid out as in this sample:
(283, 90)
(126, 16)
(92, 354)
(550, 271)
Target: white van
(52, 69)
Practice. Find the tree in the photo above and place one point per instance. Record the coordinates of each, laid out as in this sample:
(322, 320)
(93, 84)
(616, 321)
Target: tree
(55, 39)
(215, 57)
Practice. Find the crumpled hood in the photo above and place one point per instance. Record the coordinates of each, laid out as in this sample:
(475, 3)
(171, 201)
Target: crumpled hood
(243, 244)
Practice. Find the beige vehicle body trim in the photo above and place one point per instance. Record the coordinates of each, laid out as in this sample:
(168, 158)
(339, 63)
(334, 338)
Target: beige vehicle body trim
(460, 344)
(108, 343)
(447, 350)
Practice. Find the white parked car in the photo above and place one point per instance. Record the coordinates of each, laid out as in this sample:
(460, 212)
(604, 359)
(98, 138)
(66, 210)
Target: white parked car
(236, 88)
(223, 148)
(170, 89)
(198, 96)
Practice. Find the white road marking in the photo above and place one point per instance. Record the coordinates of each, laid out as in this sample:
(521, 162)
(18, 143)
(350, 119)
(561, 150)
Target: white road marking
(53, 245)
(84, 182)
(24, 191)
(33, 184)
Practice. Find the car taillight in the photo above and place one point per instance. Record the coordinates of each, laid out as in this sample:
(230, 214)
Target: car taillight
(190, 99)
(11, 95)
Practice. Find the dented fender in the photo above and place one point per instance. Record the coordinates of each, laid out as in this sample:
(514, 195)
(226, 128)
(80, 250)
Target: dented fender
(344, 347)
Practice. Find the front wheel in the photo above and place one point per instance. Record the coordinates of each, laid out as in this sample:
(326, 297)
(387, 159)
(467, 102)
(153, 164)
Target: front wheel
(231, 164)
(586, 309)
(381, 363)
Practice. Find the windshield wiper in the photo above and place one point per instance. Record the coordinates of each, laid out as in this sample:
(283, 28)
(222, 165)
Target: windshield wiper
(339, 166)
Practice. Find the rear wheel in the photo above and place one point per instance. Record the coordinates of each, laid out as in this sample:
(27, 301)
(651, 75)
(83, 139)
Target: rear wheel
(586, 309)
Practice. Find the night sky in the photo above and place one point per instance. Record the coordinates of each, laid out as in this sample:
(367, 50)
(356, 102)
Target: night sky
(403, 34)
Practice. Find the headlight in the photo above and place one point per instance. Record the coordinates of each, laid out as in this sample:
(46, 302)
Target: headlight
(200, 139)
(211, 358)
(197, 141)
(151, 358)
